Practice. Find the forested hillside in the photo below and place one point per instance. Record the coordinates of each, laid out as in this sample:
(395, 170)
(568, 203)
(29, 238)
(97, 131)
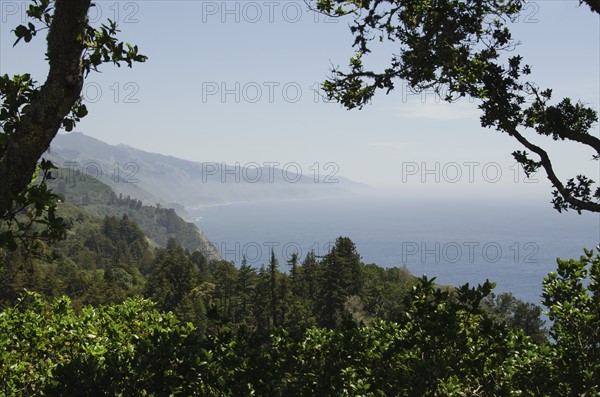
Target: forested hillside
(158, 224)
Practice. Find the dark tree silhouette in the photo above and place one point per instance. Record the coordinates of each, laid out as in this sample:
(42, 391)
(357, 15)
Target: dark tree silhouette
(464, 48)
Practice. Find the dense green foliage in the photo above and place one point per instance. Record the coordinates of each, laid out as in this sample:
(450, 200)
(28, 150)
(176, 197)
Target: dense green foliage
(445, 344)
(572, 297)
(33, 216)
(107, 350)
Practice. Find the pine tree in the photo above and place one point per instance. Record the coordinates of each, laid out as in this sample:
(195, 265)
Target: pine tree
(173, 278)
(246, 283)
(342, 277)
(273, 271)
(293, 263)
(225, 279)
(309, 284)
(201, 264)
(262, 301)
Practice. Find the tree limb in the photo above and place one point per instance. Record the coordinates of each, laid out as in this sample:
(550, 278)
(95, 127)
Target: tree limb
(594, 5)
(585, 139)
(51, 104)
(547, 164)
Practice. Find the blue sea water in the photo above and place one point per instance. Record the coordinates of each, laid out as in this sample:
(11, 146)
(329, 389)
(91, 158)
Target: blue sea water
(514, 245)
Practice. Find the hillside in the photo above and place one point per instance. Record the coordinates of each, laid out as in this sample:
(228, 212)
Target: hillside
(157, 223)
(156, 178)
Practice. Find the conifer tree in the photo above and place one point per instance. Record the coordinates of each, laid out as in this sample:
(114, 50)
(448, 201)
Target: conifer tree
(262, 301)
(342, 277)
(293, 263)
(246, 283)
(273, 270)
(173, 278)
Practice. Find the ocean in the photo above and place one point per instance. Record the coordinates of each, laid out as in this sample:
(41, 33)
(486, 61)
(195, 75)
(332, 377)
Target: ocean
(514, 245)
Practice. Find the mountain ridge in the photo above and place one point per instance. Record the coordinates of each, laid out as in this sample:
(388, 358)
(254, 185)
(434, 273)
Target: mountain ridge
(168, 180)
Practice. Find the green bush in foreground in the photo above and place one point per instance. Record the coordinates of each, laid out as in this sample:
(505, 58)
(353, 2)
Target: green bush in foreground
(446, 344)
(125, 349)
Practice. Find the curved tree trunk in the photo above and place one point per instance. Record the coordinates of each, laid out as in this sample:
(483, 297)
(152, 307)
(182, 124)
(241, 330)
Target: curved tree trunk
(54, 100)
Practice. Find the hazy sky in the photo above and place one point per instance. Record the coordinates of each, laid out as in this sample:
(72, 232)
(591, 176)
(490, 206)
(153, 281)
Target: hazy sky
(237, 81)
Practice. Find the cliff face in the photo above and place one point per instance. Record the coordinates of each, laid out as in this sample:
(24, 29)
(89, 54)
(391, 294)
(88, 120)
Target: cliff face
(208, 249)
